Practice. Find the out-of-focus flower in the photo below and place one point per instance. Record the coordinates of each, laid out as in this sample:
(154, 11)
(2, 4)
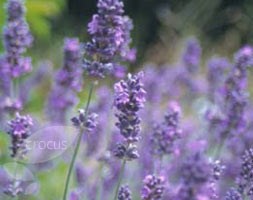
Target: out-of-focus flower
(110, 39)
(14, 188)
(165, 134)
(216, 76)
(191, 56)
(233, 194)
(129, 99)
(68, 82)
(195, 173)
(74, 196)
(153, 188)
(235, 94)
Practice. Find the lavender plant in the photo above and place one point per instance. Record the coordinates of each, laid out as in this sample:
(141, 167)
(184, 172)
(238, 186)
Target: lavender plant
(105, 145)
(110, 38)
(17, 38)
(129, 99)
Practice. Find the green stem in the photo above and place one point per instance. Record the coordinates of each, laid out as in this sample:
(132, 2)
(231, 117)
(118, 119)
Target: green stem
(77, 147)
(100, 189)
(120, 178)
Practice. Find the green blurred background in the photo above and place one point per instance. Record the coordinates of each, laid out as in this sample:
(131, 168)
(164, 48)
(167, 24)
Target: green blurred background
(221, 25)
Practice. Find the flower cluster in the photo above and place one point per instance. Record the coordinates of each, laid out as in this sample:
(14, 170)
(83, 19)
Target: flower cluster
(110, 38)
(88, 123)
(191, 56)
(235, 97)
(233, 194)
(153, 188)
(246, 174)
(165, 134)
(68, 81)
(17, 38)
(14, 188)
(195, 172)
(129, 99)
(216, 76)
(124, 193)
(19, 130)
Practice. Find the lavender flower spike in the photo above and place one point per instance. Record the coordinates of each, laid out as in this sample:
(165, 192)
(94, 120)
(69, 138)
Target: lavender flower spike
(110, 38)
(68, 81)
(17, 38)
(153, 188)
(191, 56)
(246, 179)
(165, 134)
(233, 194)
(19, 130)
(216, 76)
(235, 92)
(124, 193)
(129, 99)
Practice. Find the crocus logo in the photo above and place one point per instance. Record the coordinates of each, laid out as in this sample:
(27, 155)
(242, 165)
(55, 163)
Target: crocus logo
(49, 143)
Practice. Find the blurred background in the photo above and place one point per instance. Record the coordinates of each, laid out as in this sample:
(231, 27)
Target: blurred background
(160, 25)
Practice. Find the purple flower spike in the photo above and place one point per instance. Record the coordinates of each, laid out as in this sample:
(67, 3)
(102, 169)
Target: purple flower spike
(124, 193)
(19, 130)
(110, 39)
(153, 188)
(246, 174)
(17, 38)
(191, 56)
(68, 81)
(235, 94)
(216, 76)
(195, 173)
(70, 74)
(166, 133)
(129, 98)
(233, 194)
(243, 58)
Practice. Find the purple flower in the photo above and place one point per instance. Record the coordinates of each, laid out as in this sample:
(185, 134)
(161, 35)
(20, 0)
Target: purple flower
(124, 193)
(195, 173)
(165, 134)
(70, 74)
(17, 38)
(235, 96)
(233, 194)
(191, 56)
(246, 174)
(153, 188)
(129, 98)
(216, 76)
(14, 188)
(110, 38)
(19, 130)
(88, 123)
(68, 82)
(74, 196)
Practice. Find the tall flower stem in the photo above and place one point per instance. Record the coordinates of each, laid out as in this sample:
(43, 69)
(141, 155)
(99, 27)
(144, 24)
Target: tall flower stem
(120, 178)
(77, 147)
